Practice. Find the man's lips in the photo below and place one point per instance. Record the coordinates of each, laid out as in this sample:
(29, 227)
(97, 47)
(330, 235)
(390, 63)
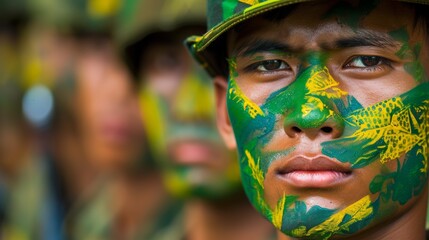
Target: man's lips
(315, 172)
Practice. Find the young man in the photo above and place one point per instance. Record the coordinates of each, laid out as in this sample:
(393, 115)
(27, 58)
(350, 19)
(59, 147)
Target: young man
(327, 103)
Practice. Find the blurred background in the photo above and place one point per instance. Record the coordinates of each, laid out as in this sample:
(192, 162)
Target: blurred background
(108, 128)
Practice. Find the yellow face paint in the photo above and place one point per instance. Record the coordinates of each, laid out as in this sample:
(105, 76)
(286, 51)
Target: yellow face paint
(392, 129)
(379, 136)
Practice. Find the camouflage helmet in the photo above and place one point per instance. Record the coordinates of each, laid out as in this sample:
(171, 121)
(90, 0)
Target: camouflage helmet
(139, 19)
(225, 14)
(88, 16)
(96, 15)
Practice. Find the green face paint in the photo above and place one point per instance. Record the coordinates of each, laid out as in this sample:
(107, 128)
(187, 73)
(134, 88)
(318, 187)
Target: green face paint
(408, 51)
(191, 118)
(394, 130)
(195, 163)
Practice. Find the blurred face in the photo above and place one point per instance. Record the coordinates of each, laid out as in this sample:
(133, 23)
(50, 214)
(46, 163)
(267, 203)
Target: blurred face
(197, 162)
(108, 108)
(330, 115)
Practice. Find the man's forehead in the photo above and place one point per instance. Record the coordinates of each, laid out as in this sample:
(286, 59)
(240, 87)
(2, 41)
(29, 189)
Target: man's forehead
(326, 26)
(312, 41)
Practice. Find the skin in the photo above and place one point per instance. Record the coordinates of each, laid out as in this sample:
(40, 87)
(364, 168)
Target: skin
(109, 117)
(329, 117)
(110, 123)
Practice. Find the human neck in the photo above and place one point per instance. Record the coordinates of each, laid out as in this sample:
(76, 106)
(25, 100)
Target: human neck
(228, 220)
(408, 225)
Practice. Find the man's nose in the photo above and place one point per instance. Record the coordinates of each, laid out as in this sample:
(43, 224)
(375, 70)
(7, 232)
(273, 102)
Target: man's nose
(313, 118)
(312, 110)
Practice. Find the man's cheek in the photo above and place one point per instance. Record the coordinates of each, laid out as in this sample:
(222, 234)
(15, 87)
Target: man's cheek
(248, 120)
(384, 131)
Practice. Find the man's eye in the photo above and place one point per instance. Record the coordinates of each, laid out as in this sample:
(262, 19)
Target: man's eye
(271, 65)
(366, 61)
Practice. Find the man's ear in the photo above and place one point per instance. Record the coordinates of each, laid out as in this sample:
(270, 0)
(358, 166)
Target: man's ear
(223, 123)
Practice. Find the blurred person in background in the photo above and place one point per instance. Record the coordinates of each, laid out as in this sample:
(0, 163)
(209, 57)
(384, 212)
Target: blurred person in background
(13, 126)
(27, 211)
(93, 179)
(43, 155)
(197, 167)
(128, 194)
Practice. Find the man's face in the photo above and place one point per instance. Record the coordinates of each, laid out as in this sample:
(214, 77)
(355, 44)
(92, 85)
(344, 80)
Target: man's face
(197, 162)
(107, 106)
(329, 107)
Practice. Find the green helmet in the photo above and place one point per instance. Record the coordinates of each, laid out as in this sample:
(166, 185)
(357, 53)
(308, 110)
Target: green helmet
(50, 13)
(225, 14)
(89, 16)
(139, 18)
(96, 16)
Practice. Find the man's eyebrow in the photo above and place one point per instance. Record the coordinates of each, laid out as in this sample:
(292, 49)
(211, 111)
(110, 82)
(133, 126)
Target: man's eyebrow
(258, 46)
(364, 39)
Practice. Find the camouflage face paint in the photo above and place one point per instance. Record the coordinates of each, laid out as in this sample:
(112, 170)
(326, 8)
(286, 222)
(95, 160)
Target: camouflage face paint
(392, 130)
(313, 92)
(383, 133)
(411, 52)
(395, 129)
(189, 122)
